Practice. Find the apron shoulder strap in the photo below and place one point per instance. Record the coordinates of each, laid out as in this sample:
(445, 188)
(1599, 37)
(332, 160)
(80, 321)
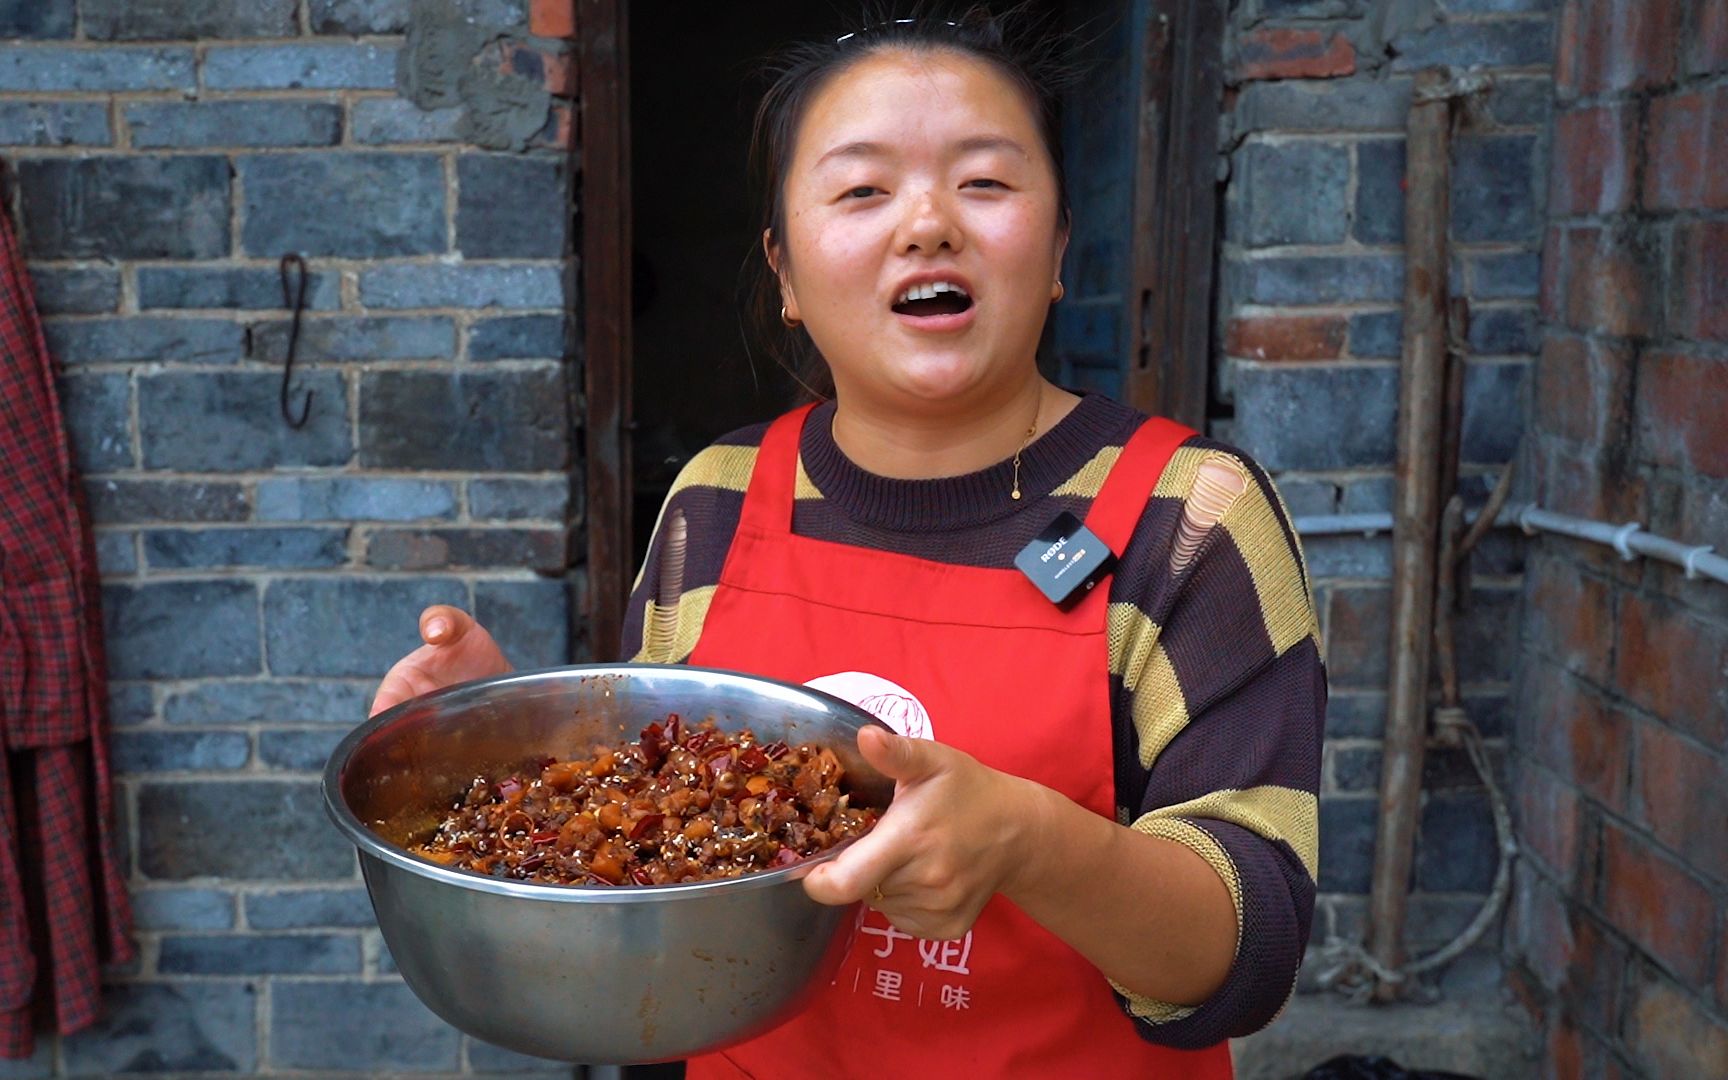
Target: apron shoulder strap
(774, 479)
(1132, 479)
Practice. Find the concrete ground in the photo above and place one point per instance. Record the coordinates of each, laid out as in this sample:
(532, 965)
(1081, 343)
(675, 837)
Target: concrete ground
(1479, 1035)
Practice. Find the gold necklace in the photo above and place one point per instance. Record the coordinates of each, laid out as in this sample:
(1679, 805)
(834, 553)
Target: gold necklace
(1033, 430)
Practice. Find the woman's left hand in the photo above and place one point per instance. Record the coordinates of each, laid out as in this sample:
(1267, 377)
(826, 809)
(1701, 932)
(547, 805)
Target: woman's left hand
(955, 836)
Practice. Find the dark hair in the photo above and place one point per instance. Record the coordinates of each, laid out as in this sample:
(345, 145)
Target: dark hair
(1015, 42)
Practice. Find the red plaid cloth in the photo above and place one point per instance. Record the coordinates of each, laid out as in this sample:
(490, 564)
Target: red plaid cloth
(63, 905)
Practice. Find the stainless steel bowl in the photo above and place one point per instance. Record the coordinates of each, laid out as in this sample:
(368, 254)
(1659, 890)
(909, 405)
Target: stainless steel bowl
(591, 974)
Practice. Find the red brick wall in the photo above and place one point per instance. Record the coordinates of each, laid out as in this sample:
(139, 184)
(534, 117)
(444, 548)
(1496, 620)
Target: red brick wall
(1620, 927)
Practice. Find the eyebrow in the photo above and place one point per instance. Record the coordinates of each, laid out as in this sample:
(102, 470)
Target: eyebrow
(973, 145)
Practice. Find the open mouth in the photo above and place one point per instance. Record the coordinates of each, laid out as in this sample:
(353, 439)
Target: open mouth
(934, 298)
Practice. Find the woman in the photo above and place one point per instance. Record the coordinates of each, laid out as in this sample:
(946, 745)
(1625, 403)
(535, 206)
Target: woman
(1101, 856)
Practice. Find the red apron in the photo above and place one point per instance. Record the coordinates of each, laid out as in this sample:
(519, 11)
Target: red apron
(977, 659)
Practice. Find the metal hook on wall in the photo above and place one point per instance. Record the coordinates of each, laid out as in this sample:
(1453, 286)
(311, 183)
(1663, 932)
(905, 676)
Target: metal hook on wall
(294, 298)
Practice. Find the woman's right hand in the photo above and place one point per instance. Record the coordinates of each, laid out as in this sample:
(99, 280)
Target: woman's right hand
(457, 649)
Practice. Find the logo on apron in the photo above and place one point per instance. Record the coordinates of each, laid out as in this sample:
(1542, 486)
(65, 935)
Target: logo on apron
(888, 702)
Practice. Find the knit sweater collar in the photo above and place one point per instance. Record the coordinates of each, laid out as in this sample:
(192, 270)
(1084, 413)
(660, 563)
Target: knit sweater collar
(960, 502)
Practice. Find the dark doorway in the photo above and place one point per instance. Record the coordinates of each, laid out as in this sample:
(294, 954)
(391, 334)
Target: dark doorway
(693, 85)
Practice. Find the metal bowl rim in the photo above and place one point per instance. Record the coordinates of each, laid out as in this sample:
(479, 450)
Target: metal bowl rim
(370, 844)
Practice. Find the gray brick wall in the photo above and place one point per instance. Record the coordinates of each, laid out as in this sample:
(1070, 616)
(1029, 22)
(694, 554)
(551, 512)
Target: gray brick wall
(1310, 327)
(162, 156)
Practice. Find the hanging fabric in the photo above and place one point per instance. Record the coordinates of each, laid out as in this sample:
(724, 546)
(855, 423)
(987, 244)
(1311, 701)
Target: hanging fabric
(63, 904)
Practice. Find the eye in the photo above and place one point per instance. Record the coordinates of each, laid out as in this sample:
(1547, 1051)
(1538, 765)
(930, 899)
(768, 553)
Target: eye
(984, 182)
(863, 191)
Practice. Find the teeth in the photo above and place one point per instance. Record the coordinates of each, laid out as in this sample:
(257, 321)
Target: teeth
(930, 291)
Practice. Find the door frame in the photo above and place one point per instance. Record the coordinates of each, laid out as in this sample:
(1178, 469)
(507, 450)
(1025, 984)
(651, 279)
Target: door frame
(1167, 369)
(603, 60)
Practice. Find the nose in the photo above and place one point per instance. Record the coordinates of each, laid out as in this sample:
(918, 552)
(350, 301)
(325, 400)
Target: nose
(929, 225)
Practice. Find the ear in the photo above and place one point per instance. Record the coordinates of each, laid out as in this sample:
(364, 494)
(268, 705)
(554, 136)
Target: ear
(772, 252)
(1063, 232)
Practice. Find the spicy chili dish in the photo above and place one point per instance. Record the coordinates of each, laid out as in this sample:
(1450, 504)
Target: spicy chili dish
(680, 803)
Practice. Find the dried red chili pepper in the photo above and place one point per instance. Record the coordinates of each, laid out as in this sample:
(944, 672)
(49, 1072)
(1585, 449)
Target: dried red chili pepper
(637, 814)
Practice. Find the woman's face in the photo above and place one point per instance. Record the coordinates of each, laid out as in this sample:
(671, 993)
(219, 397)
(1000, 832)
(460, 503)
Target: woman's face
(921, 240)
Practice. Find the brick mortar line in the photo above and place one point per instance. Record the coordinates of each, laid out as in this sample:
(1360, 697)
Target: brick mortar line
(1293, 136)
(362, 527)
(1259, 311)
(452, 260)
(473, 574)
(86, 97)
(1234, 251)
(236, 203)
(1714, 350)
(1612, 695)
(1336, 363)
(1376, 134)
(318, 473)
(90, 44)
(325, 263)
(1254, 308)
(345, 139)
(452, 200)
(97, 151)
(192, 682)
(239, 930)
(279, 315)
(306, 95)
(243, 727)
(244, 363)
(265, 577)
(153, 369)
(1683, 84)
(1702, 996)
(1350, 582)
(263, 1011)
(254, 769)
(1369, 742)
(1641, 216)
(238, 315)
(344, 572)
(1363, 472)
(1675, 473)
(1478, 359)
(1459, 896)
(352, 402)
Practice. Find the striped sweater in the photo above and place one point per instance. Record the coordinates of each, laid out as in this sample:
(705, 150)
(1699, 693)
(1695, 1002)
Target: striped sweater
(1217, 689)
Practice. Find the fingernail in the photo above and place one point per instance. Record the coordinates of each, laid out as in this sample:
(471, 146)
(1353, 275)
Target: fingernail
(436, 628)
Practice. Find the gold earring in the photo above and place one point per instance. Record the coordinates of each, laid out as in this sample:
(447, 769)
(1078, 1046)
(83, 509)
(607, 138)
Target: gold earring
(1058, 293)
(788, 320)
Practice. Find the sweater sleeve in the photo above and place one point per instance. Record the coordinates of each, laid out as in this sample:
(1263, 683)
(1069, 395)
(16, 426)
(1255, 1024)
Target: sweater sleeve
(709, 492)
(1218, 652)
